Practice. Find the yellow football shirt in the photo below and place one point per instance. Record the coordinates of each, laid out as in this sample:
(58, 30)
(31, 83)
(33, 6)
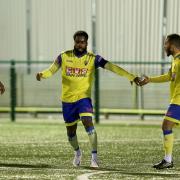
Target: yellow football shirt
(77, 76)
(174, 77)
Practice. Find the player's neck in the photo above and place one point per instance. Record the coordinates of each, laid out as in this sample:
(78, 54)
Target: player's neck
(176, 53)
(79, 53)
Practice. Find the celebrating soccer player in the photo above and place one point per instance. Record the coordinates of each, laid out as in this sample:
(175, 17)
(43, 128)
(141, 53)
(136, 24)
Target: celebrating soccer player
(172, 117)
(2, 88)
(77, 71)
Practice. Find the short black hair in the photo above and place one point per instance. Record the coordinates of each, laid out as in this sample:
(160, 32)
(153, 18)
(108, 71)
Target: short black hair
(81, 33)
(174, 39)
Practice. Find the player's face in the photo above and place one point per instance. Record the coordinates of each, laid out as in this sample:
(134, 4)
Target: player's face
(168, 48)
(80, 43)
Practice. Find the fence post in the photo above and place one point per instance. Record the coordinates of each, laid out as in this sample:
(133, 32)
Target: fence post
(96, 84)
(13, 90)
(135, 97)
(96, 95)
(142, 101)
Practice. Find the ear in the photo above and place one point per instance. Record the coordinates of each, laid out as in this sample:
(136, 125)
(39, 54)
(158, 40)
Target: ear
(172, 47)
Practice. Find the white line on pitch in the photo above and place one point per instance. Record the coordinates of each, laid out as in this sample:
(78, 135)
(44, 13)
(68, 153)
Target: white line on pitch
(87, 175)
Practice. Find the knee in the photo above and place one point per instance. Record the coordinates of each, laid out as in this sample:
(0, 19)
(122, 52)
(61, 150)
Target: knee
(166, 128)
(71, 131)
(167, 125)
(87, 121)
(88, 124)
(90, 130)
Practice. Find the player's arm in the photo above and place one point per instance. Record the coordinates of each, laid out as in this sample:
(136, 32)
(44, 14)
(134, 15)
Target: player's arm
(120, 71)
(101, 62)
(2, 88)
(160, 79)
(54, 67)
(156, 79)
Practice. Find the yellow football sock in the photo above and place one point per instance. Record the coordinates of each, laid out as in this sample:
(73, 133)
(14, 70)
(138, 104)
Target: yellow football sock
(168, 144)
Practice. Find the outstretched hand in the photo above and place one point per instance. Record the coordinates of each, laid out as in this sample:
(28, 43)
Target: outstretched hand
(144, 80)
(136, 80)
(140, 81)
(38, 76)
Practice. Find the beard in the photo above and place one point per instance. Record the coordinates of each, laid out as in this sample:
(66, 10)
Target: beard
(169, 52)
(78, 52)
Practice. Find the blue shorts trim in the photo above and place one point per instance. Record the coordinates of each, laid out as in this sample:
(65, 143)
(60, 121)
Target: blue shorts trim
(166, 132)
(173, 113)
(73, 111)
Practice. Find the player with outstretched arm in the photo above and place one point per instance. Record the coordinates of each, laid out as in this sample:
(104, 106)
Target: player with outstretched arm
(172, 116)
(77, 71)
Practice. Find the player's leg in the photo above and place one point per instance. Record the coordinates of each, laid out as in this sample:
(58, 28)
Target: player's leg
(86, 112)
(168, 140)
(71, 117)
(167, 128)
(172, 118)
(89, 127)
(72, 138)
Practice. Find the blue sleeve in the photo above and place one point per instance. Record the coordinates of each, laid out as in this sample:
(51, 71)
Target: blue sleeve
(100, 61)
(59, 59)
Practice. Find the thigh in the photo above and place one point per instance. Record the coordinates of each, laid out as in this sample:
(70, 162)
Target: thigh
(167, 125)
(172, 114)
(71, 130)
(85, 107)
(87, 121)
(70, 113)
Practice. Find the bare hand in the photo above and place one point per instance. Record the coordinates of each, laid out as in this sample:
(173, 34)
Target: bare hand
(136, 80)
(2, 88)
(144, 80)
(38, 76)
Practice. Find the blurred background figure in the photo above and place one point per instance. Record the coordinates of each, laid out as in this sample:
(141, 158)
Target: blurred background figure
(2, 88)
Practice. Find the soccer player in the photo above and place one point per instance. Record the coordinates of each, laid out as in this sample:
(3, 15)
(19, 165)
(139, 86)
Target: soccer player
(172, 116)
(77, 71)
(2, 88)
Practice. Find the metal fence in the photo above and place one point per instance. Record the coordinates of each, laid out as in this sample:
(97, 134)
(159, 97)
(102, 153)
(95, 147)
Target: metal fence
(111, 93)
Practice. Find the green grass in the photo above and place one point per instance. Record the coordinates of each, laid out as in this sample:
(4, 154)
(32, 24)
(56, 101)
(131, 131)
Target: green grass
(39, 150)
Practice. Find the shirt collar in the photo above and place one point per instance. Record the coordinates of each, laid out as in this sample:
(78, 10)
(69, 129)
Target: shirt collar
(79, 54)
(176, 55)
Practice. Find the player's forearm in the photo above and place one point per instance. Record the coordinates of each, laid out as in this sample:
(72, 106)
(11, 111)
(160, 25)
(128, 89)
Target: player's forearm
(51, 70)
(118, 70)
(160, 79)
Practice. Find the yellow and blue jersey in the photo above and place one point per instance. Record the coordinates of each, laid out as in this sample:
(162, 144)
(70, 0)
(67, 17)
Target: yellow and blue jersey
(77, 74)
(174, 77)
(175, 80)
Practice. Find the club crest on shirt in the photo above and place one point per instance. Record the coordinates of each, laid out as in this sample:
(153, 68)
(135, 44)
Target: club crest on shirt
(86, 62)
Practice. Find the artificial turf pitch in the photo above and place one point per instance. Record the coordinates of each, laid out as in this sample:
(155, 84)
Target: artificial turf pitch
(39, 150)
